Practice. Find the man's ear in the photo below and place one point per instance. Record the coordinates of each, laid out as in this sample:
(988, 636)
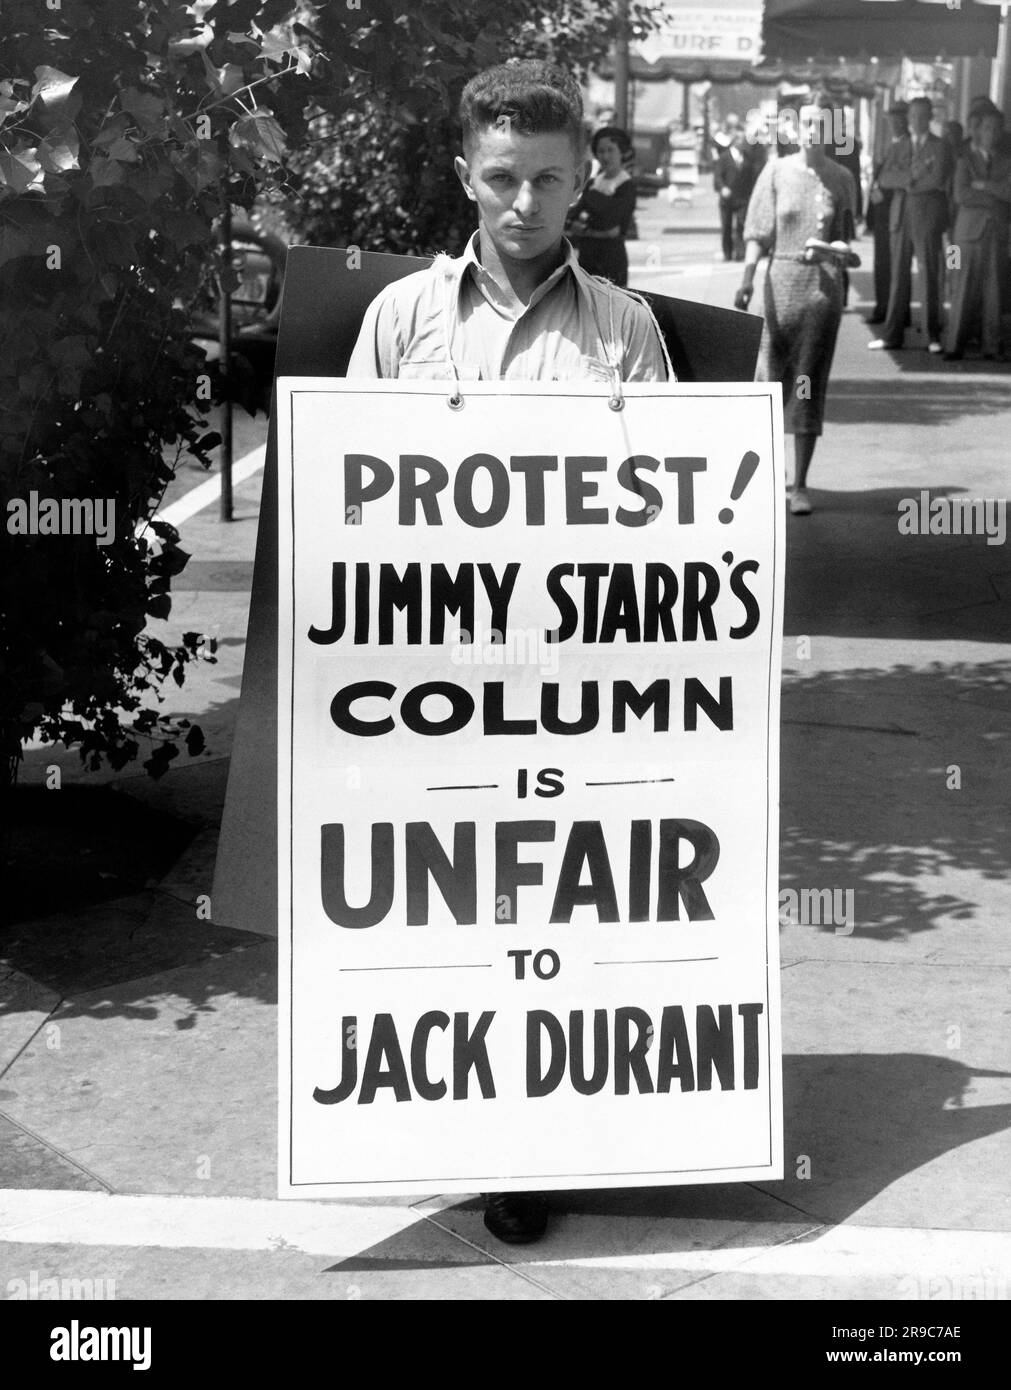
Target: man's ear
(463, 174)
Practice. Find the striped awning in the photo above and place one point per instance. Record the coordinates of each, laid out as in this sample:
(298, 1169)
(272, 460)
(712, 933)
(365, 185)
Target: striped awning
(882, 29)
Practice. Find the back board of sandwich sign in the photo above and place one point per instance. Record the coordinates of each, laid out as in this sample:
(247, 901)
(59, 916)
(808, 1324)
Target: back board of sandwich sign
(326, 293)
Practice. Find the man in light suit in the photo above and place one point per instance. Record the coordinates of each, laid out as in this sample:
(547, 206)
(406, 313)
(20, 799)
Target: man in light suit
(918, 168)
(983, 198)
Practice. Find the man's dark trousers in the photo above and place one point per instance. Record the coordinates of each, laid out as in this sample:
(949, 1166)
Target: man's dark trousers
(732, 228)
(882, 255)
(917, 229)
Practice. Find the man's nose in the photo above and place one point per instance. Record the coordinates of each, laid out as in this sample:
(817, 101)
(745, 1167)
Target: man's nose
(525, 202)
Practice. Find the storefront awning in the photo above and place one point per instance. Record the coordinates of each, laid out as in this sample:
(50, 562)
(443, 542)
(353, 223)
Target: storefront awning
(856, 79)
(883, 29)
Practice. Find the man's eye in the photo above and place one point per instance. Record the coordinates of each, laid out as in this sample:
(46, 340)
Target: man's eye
(549, 178)
(500, 178)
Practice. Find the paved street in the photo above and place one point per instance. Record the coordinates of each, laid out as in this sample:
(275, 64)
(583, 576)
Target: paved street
(138, 1039)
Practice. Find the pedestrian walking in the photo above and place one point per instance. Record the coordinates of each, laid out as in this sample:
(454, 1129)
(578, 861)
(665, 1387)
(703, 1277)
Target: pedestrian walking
(734, 176)
(800, 198)
(879, 203)
(918, 169)
(515, 306)
(983, 199)
(606, 208)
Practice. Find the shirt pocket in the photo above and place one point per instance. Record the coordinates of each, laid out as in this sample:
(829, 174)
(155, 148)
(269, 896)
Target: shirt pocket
(436, 369)
(581, 368)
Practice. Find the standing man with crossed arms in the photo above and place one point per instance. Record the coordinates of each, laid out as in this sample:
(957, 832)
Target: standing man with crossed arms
(918, 167)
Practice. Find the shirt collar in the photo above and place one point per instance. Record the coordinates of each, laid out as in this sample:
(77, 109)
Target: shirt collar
(488, 286)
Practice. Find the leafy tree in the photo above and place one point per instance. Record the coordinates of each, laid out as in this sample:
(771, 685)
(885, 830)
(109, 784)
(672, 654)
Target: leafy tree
(377, 171)
(126, 126)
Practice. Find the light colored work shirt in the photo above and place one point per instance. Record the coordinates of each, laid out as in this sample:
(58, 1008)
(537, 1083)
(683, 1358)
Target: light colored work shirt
(453, 314)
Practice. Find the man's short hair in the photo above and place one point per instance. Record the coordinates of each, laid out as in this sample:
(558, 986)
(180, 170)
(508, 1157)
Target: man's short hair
(922, 101)
(531, 96)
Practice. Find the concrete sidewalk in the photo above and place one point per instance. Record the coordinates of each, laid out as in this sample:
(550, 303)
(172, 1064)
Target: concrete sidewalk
(137, 1039)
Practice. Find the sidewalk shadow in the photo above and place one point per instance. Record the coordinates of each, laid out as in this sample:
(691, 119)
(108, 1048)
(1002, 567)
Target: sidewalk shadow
(865, 1121)
(869, 799)
(958, 397)
(851, 573)
(910, 359)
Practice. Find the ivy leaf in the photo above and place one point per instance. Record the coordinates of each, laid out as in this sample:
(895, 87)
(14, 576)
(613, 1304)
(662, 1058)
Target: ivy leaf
(59, 150)
(51, 86)
(124, 150)
(10, 106)
(105, 172)
(113, 128)
(159, 605)
(71, 357)
(195, 740)
(165, 530)
(209, 166)
(171, 561)
(19, 171)
(147, 109)
(278, 45)
(260, 133)
(227, 79)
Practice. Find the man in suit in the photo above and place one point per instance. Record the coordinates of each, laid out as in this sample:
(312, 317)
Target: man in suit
(918, 170)
(879, 203)
(734, 178)
(983, 198)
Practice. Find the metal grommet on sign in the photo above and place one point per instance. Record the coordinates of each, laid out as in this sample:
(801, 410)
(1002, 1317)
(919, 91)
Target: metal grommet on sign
(455, 401)
(617, 401)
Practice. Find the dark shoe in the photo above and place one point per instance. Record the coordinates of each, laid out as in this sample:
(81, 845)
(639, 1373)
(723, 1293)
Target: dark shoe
(875, 318)
(953, 356)
(515, 1217)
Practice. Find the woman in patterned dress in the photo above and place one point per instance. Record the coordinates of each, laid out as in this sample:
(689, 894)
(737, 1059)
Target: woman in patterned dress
(797, 197)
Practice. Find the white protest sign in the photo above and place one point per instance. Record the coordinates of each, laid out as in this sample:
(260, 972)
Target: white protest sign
(529, 657)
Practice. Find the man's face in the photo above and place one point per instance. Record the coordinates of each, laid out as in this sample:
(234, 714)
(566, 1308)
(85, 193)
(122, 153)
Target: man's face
(524, 186)
(899, 123)
(990, 128)
(919, 118)
(608, 152)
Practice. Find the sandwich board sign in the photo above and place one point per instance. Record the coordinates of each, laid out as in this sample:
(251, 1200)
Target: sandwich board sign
(528, 712)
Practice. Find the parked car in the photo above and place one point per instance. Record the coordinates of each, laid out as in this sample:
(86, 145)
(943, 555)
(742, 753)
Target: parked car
(258, 258)
(650, 161)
